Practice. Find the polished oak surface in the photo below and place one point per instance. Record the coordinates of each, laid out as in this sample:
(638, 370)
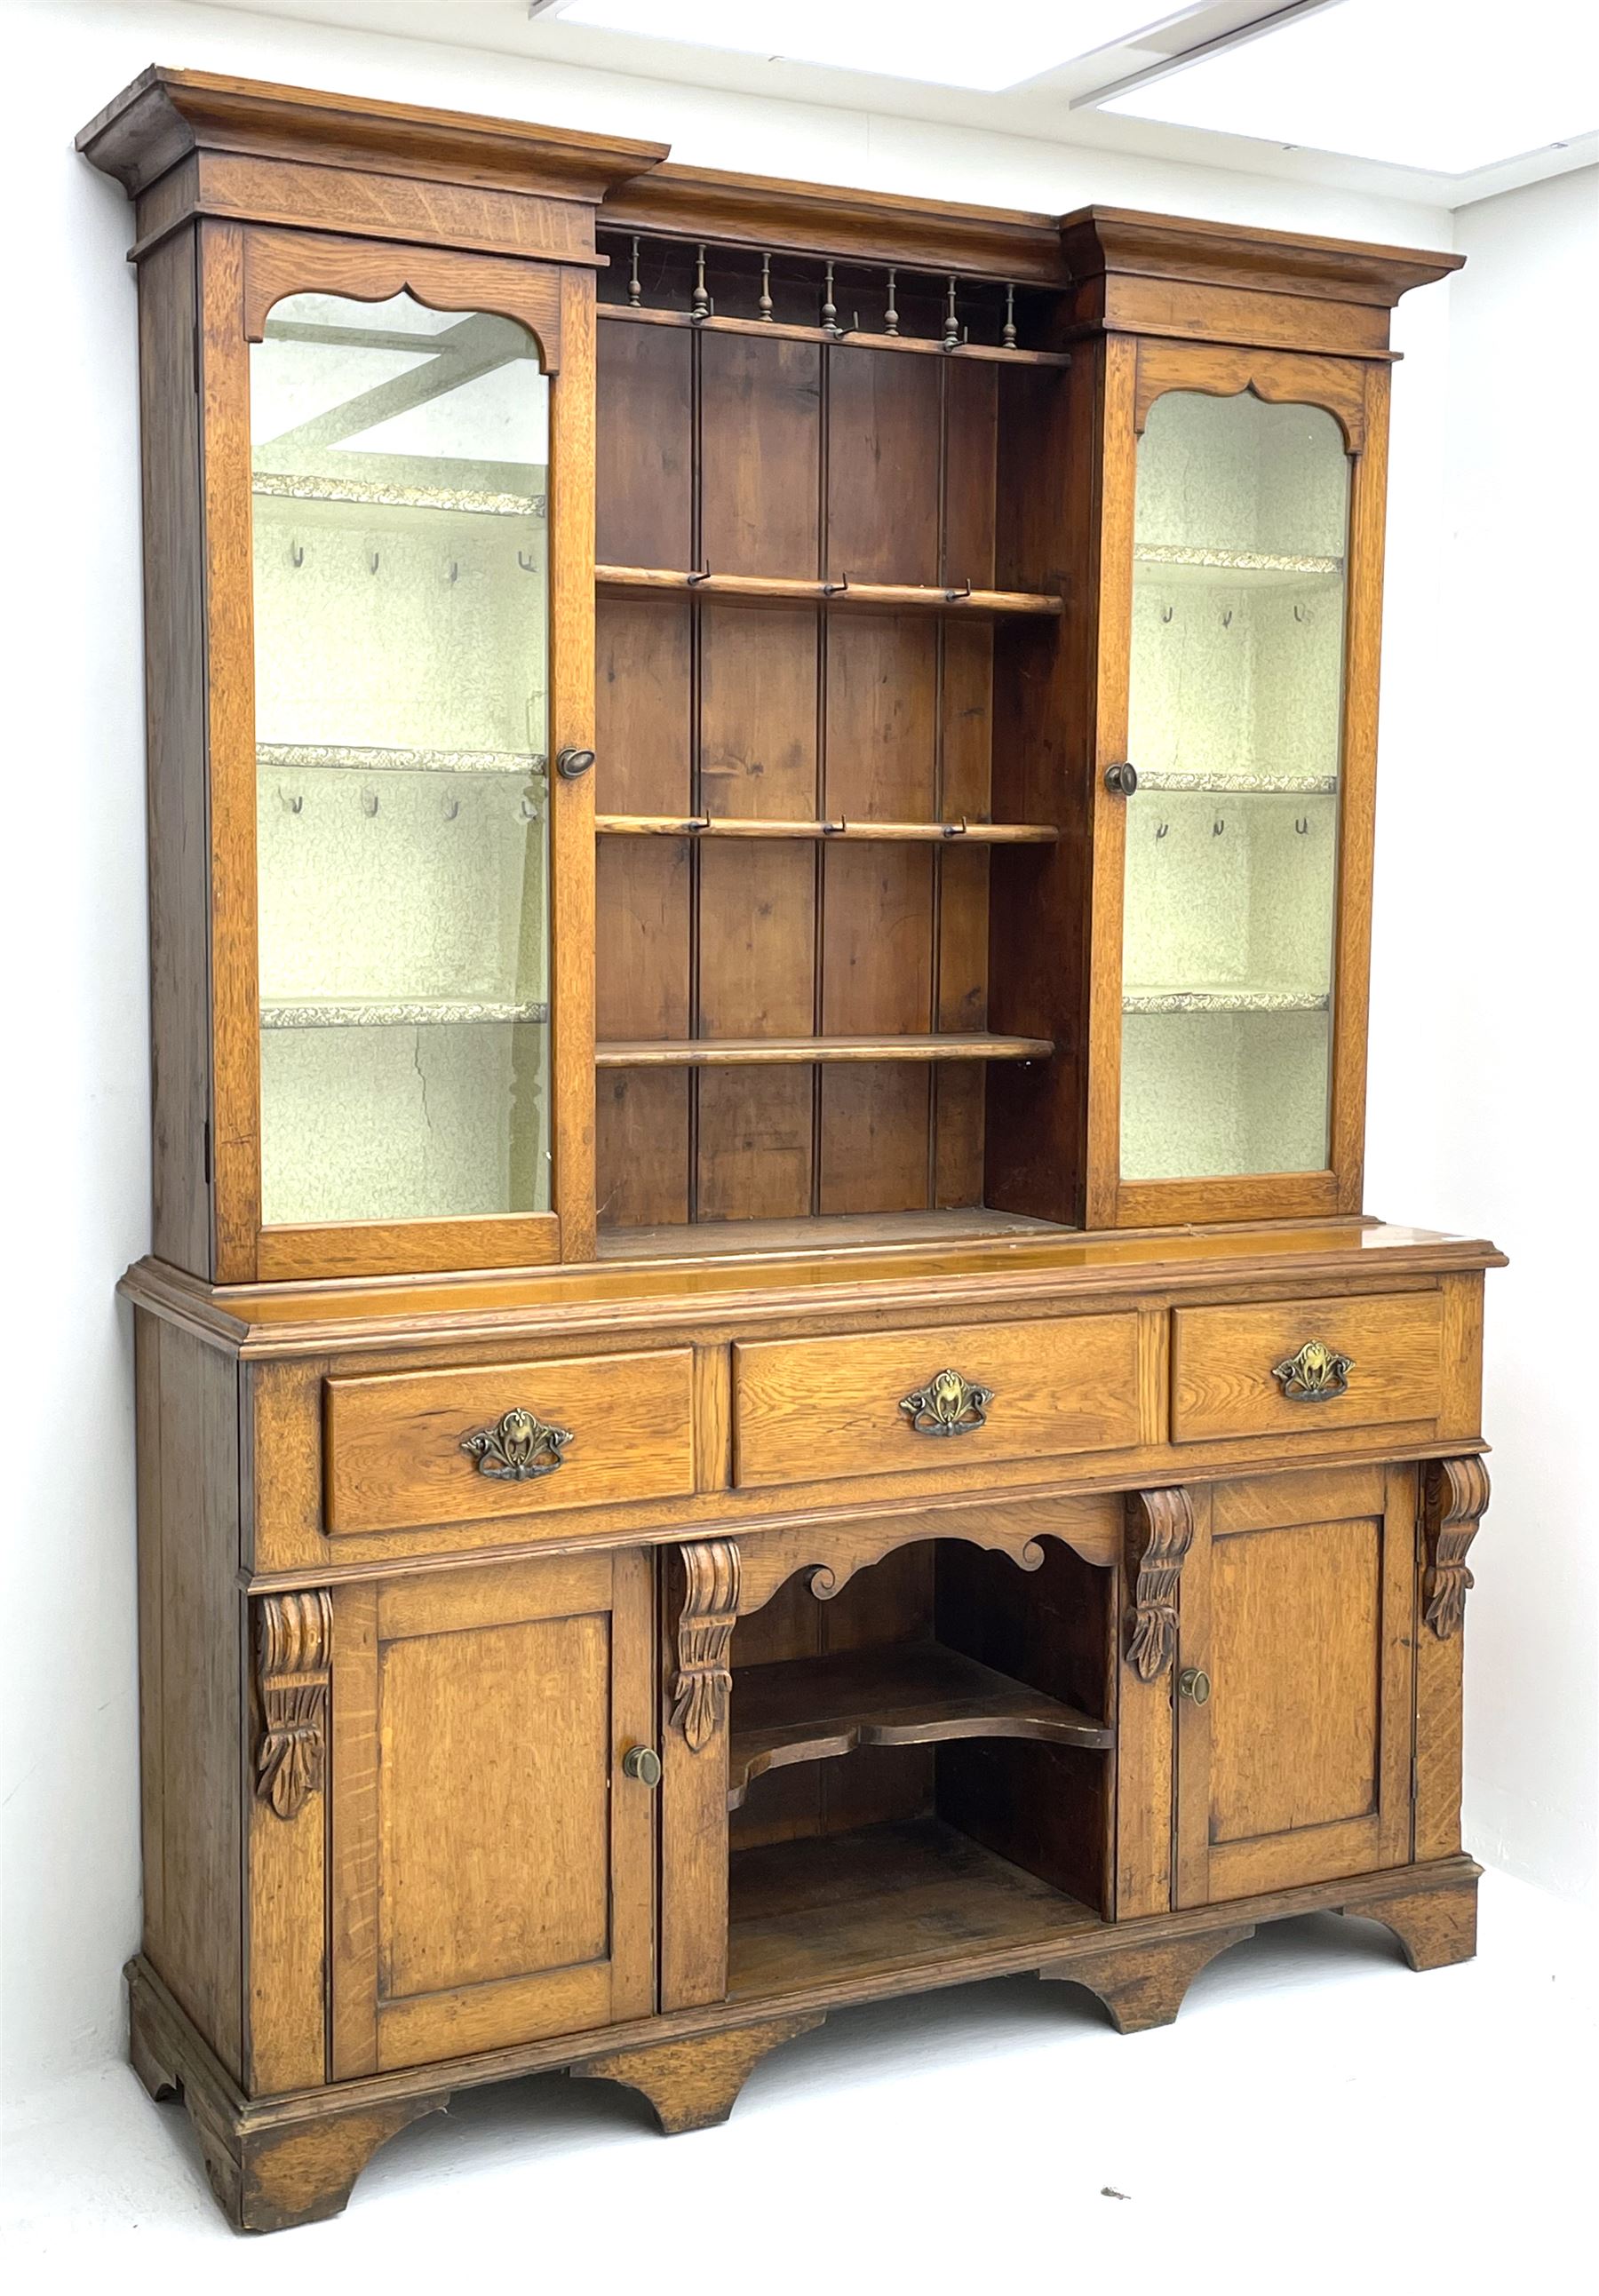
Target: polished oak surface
(762, 1381)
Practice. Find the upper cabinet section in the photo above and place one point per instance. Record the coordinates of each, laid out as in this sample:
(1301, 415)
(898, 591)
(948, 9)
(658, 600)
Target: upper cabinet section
(944, 808)
(367, 364)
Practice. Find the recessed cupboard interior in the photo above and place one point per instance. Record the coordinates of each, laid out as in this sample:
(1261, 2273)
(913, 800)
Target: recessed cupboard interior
(939, 1735)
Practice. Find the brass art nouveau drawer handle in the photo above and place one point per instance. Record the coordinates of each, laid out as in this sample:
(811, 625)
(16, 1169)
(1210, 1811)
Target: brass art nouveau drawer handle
(519, 1446)
(1316, 1374)
(948, 1404)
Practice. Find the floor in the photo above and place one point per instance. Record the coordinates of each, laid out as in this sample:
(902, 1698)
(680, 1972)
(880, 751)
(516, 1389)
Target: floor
(1318, 2118)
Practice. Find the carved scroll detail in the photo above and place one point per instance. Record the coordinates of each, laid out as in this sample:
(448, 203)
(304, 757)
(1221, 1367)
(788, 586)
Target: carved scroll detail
(703, 1681)
(1159, 1532)
(1454, 1495)
(294, 1642)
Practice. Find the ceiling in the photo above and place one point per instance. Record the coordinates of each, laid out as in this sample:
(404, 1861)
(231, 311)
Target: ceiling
(1425, 83)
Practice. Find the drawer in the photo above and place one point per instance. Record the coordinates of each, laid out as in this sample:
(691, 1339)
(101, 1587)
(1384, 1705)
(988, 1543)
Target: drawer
(806, 1410)
(1230, 1366)
(408, 1448)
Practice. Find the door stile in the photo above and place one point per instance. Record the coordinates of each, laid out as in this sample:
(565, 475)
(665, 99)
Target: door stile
(1190, 1854)
(223, 354)
(1357, 799)
(572, 446)
(1111, 571)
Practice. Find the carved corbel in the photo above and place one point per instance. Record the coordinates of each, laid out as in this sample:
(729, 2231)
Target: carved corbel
(703, 1681)
(1159, 1530)
(1454, 1494)
(294, 1642)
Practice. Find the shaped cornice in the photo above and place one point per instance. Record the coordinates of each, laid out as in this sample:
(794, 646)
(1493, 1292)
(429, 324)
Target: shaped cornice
(166, 114)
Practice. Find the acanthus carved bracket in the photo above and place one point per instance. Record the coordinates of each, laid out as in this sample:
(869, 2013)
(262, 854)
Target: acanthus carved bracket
(1454, 1495)
(1160, 1531)
(294, 1642)
(703, 1682)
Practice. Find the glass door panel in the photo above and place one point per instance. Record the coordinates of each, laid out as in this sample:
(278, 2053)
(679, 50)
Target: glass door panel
(1235, 720)
(400, 474)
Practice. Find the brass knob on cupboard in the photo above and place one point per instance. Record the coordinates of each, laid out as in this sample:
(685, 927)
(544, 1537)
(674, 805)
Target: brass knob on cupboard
(642, 1763)
(571, 762)
(1194, 1683)
(1122, 781)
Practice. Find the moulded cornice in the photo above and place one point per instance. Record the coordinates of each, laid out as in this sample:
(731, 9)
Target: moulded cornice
(822, 219)
(166, 114)
(1098, 241)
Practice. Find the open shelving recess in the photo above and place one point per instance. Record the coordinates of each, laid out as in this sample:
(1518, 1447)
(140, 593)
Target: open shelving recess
(919, 1766)
(831, 677)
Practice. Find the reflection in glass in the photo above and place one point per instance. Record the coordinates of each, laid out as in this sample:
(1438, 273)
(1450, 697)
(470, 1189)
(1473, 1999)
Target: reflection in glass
(400, 460)
(1235, 726)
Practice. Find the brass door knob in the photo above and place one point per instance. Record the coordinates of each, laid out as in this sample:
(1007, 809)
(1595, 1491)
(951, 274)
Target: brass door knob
(571, 762)
(642, 1763)
(1122, 781)
(1194, 1683)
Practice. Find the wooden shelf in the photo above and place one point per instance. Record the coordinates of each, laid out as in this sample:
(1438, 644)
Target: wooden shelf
(396, 1012)
(768, 1052)
(878, 832)
(816, 1709)
(1240, 785)
(785, 590)
(822, 1232)
(360, 758)
(1226, 1000)
(838, 1907)
(1176, 564)
(381, 494)
(852, 339)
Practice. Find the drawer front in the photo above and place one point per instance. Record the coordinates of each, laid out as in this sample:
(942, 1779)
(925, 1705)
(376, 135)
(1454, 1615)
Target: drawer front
(806, 1410)
(409, 1448)
(1302, 1366)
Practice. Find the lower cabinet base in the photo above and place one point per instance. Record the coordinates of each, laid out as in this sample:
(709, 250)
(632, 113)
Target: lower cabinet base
(293, 2160)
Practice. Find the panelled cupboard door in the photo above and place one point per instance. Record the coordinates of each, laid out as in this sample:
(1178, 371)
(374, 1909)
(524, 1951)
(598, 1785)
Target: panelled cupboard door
(493, 1867)
(1297, 1610)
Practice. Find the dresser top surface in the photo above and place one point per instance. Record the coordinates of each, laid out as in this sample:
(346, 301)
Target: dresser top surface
(695, 1286)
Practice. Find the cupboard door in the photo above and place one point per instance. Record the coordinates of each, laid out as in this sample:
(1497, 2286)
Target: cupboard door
(1237, 879)
(494, 1867)
(398, 458)
(1297, 1604)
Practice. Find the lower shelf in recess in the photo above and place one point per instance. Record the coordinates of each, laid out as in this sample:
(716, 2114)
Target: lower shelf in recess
(815, 1709)
(843, 1906)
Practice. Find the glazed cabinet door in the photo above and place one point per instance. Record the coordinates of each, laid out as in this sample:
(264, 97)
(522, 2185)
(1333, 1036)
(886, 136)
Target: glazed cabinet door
(1233, 808)
(493, 1864)
(400, 482)
(1295, 1682)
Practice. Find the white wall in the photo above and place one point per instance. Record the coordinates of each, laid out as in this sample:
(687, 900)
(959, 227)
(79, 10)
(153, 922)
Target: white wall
(76, 1038)
(1484, 1023)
